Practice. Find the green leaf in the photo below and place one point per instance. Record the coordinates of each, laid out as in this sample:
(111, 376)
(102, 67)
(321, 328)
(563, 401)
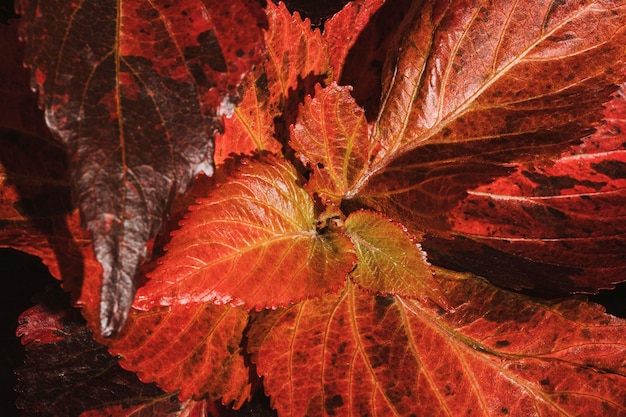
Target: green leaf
(390, 261)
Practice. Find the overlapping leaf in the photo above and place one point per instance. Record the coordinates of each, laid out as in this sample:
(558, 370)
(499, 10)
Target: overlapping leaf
(119, 78)
(296, 58)
(66, 372)
(36, 213)
(473, 88)
(353, 355)
(192, 349)
(359, 38)
(566, 215)
(252, 241)
(389, 260)
(331, 137)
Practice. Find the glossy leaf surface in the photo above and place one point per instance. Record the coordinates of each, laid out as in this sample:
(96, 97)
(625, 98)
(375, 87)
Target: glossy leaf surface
(253, 241)
(352, 354)
(114, 78)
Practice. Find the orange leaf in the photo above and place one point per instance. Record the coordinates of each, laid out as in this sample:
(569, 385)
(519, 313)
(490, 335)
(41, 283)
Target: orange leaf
(295, 59)
(193, 348)
(331, 136)
(254, 240)
(353, 354)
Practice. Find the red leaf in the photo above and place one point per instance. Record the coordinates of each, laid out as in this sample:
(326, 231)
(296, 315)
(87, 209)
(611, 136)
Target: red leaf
(191, 348)
(252, 241)
(344, 28)
(389, 260)
(18, 109)
(359, 38)
(331, 136)
(352, 355)
(296, 57)
(66, 372)
(473, 89)
(568, 214)
(114, 78)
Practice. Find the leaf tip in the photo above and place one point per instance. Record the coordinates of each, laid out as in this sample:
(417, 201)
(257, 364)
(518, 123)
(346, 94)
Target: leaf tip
(115, 300)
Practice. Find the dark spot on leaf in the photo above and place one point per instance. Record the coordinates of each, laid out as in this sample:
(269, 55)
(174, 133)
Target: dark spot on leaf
(211, 52)
(239, 52)
(502, 343)
(332, 403)
(554, 185)
(262, 90)
(504, 410)
(545, 382)
(612, 169)
(513, 123)
(385, 301)
(557, 213)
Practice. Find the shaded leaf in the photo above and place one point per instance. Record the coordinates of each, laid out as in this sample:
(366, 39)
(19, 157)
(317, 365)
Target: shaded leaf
(36, 213)
(252, 241)
(296, 58)
(164, 408)
(359, 38)
(331, 137)
(567, 215)
(473, 89)
(67, 372)
(113, 79)
(352, 354)
(390, 261)
(342, 31)
(18, 109)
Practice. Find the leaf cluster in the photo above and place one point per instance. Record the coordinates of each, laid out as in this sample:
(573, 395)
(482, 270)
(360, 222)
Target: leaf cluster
(343, 218)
